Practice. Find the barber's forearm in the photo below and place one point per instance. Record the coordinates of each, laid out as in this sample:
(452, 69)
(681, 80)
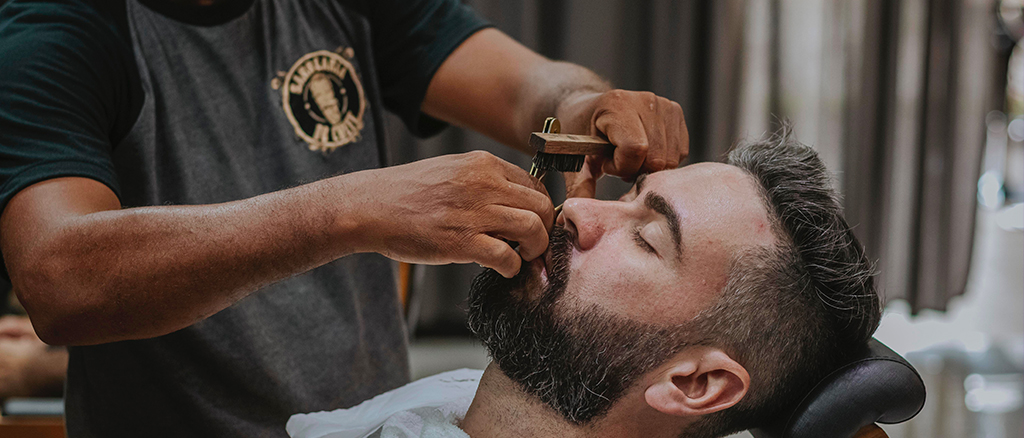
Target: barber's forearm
(144, 272)
(502, 89)
(560, 89)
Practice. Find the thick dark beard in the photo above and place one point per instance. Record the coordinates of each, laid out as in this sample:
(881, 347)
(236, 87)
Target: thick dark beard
(579, 363)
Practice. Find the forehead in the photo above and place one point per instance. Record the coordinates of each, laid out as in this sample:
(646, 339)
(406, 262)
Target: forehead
(720, 214)
(715, 200)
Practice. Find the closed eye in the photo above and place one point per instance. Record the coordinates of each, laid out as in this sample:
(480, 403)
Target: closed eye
(641, 242)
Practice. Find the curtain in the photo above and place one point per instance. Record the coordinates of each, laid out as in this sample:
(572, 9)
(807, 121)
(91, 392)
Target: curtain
(893, 95)
(925, 78)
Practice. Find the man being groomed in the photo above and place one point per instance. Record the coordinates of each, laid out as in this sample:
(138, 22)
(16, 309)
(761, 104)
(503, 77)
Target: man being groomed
(703, 302)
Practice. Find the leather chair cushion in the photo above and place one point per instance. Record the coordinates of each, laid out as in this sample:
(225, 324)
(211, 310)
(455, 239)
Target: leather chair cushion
(876, 385)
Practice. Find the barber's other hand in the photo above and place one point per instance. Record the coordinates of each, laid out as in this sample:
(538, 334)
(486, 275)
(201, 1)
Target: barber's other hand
(28, 367)
(648, 131)
(456, 209)
(13, 326)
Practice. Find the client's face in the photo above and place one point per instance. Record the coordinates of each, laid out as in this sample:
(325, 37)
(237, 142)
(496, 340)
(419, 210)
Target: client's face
(619, 283)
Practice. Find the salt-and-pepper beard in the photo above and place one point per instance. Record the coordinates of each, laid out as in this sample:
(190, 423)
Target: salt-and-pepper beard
(579, 362)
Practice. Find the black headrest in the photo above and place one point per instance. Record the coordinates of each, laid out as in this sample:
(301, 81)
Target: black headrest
(874, 385)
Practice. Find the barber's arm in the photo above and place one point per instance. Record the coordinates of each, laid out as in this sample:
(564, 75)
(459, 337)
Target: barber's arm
(495, 85)
(90, 272)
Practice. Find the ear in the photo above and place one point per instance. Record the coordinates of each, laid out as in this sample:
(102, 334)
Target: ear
(700, 381)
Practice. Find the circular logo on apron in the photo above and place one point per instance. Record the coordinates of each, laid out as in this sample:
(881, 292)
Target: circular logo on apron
(323, 99)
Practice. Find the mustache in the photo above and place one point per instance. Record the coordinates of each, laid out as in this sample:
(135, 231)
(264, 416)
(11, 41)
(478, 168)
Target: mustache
(560, 244)
(491, 294)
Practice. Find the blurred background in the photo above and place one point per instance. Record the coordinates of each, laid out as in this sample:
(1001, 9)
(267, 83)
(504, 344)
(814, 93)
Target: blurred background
(915, 105)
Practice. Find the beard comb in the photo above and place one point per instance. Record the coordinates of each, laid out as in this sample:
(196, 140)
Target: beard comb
(563, 152)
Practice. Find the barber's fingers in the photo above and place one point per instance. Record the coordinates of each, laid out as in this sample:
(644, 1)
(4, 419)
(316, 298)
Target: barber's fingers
(524, 191)
(626, 131)
(517, 175)
(654, 120)
(489, 169)
(493, 253)
(677, 138)
(523, 198)
(520, 226)
(12, 326)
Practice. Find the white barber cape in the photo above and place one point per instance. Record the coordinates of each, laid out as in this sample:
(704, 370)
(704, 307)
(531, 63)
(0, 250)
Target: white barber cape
(430, 407)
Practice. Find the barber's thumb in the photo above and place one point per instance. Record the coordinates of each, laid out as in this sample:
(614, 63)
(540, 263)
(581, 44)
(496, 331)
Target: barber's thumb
(583, 184)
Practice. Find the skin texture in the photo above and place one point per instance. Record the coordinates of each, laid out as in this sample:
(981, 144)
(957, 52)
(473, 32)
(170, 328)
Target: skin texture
(89, 272)
(649, 280)
(718, 212)
(28, 367)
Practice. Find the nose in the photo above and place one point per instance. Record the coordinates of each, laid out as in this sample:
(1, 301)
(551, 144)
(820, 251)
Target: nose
(590, 219)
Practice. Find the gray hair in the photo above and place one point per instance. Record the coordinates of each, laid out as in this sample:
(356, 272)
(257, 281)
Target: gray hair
(790, 313)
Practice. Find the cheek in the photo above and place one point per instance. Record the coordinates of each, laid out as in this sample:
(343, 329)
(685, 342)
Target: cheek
(706, 273)
(627, 286)
(640, 288)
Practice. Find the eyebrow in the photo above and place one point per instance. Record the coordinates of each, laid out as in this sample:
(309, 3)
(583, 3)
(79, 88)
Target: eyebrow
(640, 182)
(661, 206)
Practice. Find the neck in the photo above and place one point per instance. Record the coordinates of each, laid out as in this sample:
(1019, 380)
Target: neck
(501, 410)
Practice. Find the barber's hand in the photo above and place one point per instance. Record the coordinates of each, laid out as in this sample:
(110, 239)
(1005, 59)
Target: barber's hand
(456, 209)
(28, 367)
(16, 356)
(13, 326)
(648, 131)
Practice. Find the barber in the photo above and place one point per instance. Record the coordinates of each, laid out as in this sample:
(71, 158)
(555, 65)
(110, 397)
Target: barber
(162, 161)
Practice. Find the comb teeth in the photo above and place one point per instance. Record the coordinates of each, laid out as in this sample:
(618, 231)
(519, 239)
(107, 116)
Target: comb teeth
(558, 162)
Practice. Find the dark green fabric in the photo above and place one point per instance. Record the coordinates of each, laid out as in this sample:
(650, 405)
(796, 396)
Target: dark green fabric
(405, 64)
(64, 94)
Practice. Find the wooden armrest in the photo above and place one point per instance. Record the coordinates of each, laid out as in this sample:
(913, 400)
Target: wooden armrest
(31, 427)
(870, 431)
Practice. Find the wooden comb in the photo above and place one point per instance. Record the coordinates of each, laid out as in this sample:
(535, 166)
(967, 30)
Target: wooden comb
(563, 152)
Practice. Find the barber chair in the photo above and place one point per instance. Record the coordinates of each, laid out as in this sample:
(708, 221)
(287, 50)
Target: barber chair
(875, 385)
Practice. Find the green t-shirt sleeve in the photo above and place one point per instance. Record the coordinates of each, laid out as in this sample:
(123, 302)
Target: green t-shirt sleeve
(411, 39)
(63, 94)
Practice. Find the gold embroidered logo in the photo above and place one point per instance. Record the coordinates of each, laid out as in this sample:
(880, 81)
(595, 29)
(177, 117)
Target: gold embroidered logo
(323, 99)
